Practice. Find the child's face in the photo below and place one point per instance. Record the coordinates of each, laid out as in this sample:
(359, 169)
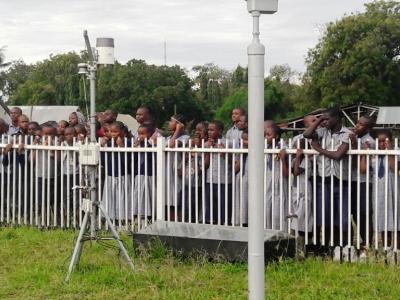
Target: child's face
(23, 123)
(383, 141)
(69, 135)
(329, 121)
(107, 131)
(200, 131)
(242, 123)
(115, 132)
(73, 119)
(143, 134)
(362, 127)
(31, 129)
(236, 113)
(270, 135)
(213, 132)
(61, 127)
(48, 133)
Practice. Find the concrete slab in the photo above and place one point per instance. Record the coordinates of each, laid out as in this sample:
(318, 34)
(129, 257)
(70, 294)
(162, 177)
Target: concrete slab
(214, 241)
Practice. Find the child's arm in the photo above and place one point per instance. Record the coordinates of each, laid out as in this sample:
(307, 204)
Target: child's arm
(285, 169)
(336, 155)
(310, 133)
(297, 170)
(178, 132)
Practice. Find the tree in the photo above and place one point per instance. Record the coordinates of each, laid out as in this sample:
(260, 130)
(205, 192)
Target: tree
(53, 81)
(212, 84)
(357, 59)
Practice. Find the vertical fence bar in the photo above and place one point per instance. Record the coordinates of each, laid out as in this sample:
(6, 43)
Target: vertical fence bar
(161, 178)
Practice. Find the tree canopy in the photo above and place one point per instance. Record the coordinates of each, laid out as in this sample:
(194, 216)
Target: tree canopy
(357, 59)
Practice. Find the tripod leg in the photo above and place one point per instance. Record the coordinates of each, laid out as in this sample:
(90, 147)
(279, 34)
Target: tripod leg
(78, 247)
(116, 236)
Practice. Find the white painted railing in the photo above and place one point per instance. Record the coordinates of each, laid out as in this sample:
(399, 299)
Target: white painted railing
(41, 186)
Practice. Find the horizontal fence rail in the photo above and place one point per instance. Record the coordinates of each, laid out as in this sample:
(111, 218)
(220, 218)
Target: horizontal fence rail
(347, 202)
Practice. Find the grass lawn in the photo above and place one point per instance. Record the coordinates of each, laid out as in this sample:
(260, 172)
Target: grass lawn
(33, 264)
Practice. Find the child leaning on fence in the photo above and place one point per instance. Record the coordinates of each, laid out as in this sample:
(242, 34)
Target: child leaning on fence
(44, 164)
(240, 208)
(70, 175)
(117, 191)
(276, 185)
(302, 190)
(383, 189)
(143, 165)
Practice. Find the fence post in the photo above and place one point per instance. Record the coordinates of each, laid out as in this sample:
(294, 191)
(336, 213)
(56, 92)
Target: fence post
(160, 196)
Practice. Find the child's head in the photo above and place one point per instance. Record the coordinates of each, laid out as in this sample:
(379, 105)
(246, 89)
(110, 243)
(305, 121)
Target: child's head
(73, 119)
(23, 123)
(61, 127)
(215, 129)
(143, 114)
(364, 125)
(175, 120)
(110, 116)
(69, 134)
(332, 117)
(237, 113)
(267, 124)
(38, 132)
(145, 131)
(107, 133)
(32, 126)
(242, 123)
(384, 137)
(48, 132)
(272, 132)
(81, 131)
(201, 130)
(116, 130)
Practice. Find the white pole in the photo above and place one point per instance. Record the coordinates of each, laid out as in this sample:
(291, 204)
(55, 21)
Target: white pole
(92, 169)
(256, 52)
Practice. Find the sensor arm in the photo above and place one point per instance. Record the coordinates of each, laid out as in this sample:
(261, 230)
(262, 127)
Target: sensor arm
(89, 48)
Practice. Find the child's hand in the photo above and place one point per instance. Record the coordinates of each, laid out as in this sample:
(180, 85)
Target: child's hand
(179, 127)
(211, 142)
(7, 149)
(120, 142)
(353, 139)
(104, 141)
(36, 141)
(136, 143)
(367, 145)
(282, 154)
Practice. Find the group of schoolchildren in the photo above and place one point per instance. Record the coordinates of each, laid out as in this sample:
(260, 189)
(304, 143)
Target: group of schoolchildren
(203, 188)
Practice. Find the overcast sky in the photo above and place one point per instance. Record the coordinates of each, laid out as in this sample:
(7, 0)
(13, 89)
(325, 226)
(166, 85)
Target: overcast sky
(195, 31)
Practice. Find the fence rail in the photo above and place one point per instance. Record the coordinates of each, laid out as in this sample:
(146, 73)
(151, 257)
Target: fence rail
(348, 202)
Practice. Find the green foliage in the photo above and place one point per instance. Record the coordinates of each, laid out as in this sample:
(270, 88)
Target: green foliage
(163, 89)
(357, 59)
(33, 265)
(53, 81)
(238, 98)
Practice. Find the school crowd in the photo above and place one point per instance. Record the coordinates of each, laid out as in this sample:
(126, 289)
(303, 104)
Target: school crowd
(343, 191)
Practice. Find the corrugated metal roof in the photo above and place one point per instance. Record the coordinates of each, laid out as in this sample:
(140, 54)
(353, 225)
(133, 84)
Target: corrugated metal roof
(388, 115)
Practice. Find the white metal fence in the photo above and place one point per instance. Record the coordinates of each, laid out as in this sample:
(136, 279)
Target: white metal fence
(352, 201)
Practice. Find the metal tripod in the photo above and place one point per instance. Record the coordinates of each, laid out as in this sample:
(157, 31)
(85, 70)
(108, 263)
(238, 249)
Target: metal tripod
(88, 233)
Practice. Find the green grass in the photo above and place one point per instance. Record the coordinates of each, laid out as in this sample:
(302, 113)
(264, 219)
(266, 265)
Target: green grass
(33, 265)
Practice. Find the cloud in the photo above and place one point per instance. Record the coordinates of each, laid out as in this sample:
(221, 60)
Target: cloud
(196, 32)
